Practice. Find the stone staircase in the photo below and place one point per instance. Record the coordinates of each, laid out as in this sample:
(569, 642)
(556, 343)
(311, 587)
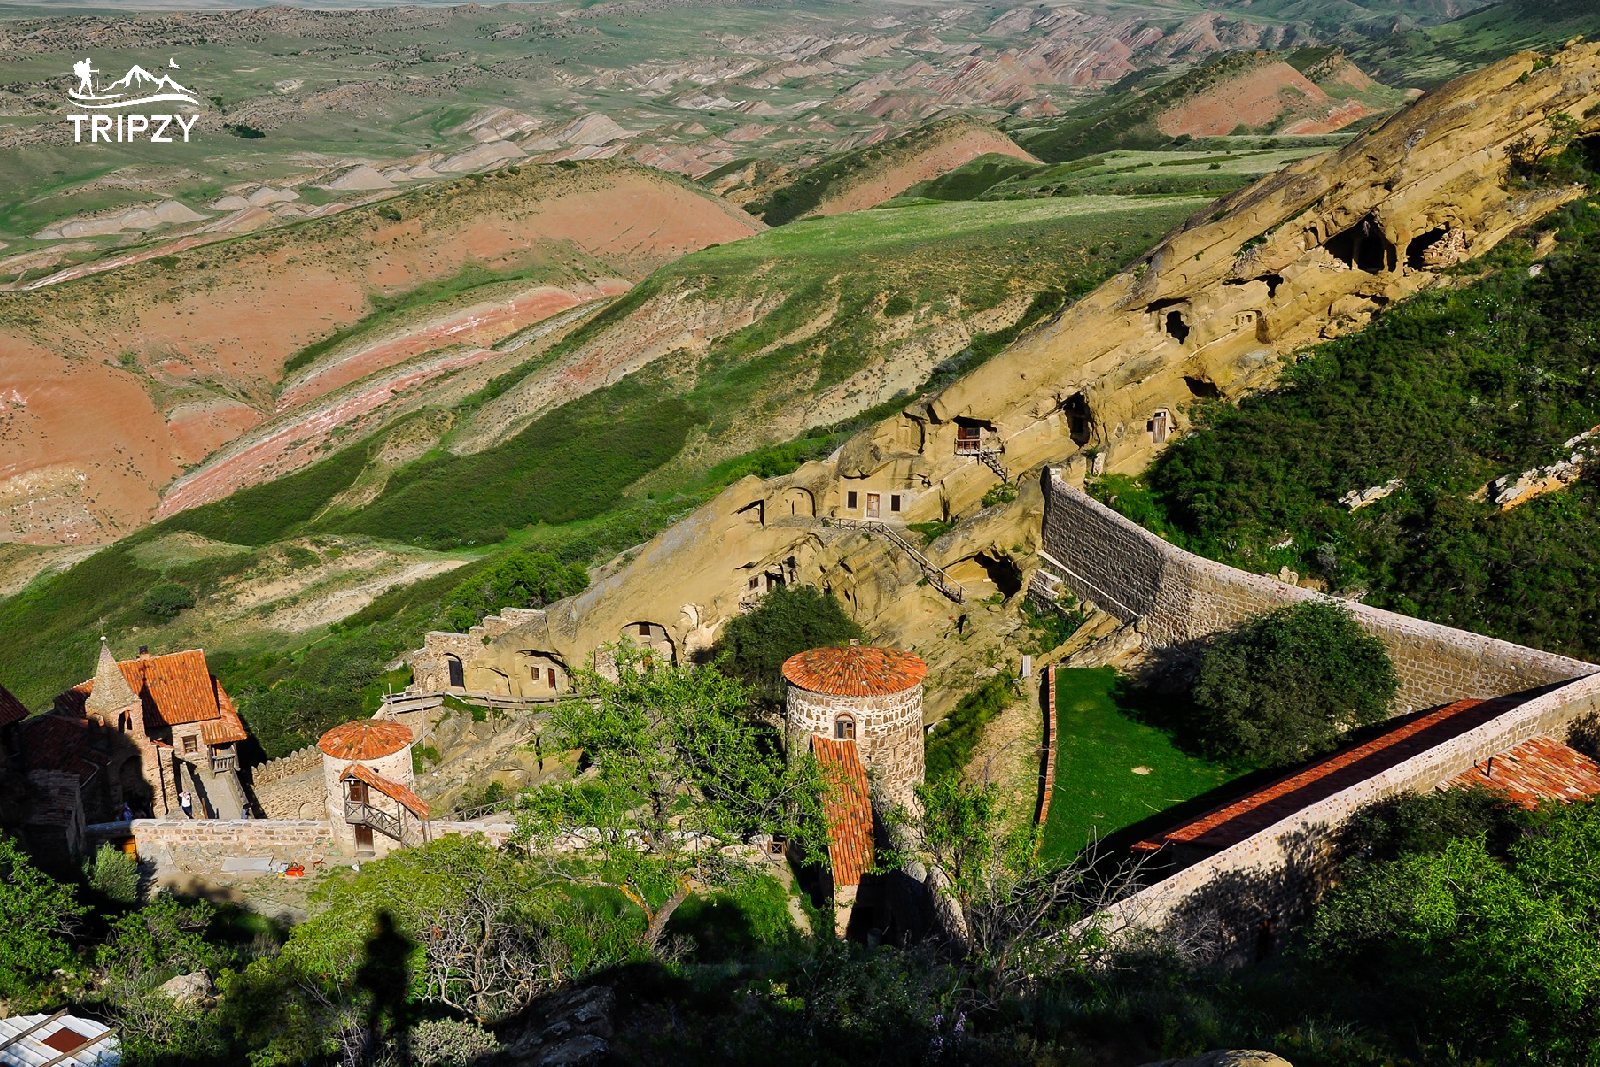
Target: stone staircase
(937, 576)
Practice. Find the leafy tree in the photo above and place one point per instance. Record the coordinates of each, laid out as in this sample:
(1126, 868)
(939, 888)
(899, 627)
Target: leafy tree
(38, 915)
(1496, 957)
(683, 769)
(1019, 912)
(789, 619)
(1287, 685)
(167, 599)
(145, 948)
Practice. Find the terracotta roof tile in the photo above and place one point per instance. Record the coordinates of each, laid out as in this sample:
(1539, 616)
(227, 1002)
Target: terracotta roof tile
(1233, 822)
(848, 805)
(391, 789)
(855, 671)
(11, 709)
(365, 739)
(176, 688)
(62, 743)
(1541, 768)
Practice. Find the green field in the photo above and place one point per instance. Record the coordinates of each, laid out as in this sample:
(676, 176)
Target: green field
(1112, 770)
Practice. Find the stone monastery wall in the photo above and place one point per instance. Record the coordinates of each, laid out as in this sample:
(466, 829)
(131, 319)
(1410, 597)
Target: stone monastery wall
(1177, 598)
(296, 762)
(1274, 872)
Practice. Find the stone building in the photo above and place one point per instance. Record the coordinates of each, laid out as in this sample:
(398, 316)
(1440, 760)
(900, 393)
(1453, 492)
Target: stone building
(872, 696)
(139, 733)
(368, 773)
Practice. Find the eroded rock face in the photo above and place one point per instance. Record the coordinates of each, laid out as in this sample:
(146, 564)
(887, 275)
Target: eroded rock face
(1213, 311)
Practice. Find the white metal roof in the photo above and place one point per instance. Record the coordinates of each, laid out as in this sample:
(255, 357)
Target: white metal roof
(57, 1040)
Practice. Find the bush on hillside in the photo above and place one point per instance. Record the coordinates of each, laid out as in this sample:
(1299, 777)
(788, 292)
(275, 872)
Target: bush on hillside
(1286, 686)
(524, 580)
(113, 874)
(167, 599)
(789, 619)
(950, 746)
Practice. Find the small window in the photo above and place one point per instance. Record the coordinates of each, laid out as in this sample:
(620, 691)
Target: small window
(852, 500)
(894, 501)
(644, 629)
(844, 728)
(754, 582)
(190, 745)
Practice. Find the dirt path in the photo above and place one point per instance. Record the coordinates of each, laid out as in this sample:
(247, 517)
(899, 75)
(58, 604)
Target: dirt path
(1008, 755)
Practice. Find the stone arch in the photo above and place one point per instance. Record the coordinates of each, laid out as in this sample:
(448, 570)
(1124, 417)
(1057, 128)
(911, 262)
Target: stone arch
(455, 673)
(797, 502)
(652, 638)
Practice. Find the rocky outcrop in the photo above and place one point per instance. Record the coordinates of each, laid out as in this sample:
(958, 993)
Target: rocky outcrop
(1213, 311)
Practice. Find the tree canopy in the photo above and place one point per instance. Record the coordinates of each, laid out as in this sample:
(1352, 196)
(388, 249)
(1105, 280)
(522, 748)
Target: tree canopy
(789, 619)
(1287, 685)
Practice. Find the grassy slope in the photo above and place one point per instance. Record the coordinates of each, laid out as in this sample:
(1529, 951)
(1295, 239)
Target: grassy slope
(1426, 58)
(1100, 742)
(977, 253)
(1446, 392)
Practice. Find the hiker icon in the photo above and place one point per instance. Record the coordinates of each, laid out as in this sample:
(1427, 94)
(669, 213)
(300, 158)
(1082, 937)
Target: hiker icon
(85, 71)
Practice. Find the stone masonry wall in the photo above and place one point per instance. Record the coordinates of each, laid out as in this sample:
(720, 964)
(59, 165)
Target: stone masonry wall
(296, 762)
(1275, 870)
(279, 838)
(888, 732)
(1177, 597)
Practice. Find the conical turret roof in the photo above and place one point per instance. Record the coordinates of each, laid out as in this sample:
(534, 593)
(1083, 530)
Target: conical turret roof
(111, 691)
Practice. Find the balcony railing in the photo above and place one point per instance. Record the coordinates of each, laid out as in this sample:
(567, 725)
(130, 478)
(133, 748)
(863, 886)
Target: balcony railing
(363, 814)
(986, 443)
(223, 763)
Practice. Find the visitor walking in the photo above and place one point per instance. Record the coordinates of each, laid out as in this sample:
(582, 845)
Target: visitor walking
(186, 803)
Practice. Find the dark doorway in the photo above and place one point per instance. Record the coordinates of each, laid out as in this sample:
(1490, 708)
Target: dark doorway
(458, 677)
(1363, 247)
(1417, 250)
(1176, 328)
(1080, 424)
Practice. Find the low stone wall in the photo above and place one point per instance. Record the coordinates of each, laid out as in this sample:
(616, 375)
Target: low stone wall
(278, 838)
(1177, 598)
(304, 796)
(495, 833)
(296, 762)
(1271, 874)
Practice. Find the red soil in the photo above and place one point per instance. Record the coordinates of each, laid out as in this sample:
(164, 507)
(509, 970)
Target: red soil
(1257, 98)
(939, 159)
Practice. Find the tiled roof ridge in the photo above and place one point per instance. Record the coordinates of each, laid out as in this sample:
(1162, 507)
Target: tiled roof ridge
(1388, 748)
(855, 670)
(848, 806)
(390, 788)
(1538, 769)
(363, 739)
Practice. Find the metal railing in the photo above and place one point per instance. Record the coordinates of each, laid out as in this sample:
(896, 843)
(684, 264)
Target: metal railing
(936, 575)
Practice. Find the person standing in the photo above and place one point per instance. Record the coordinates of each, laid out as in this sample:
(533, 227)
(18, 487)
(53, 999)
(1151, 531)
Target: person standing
(186, 803)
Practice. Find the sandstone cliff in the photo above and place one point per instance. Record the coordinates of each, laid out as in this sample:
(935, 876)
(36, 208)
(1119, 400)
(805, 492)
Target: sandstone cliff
(1212, 311)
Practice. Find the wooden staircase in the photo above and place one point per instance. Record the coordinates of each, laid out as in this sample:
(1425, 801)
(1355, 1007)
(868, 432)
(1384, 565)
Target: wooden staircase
(936, 575)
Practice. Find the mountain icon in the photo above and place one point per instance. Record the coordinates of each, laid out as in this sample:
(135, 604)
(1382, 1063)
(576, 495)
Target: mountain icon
(138, 86)
(140, 80)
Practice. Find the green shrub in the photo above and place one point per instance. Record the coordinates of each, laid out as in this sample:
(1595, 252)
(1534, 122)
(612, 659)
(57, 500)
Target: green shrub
(113, 874)
(1286, 686)
(789, 619)
(166, 600)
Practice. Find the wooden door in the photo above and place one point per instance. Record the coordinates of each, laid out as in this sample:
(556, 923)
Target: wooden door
(358, 791)
(550, 676)
(364, 839)
(872, 505)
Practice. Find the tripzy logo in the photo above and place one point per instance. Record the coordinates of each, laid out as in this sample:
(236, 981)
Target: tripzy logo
(134, 89)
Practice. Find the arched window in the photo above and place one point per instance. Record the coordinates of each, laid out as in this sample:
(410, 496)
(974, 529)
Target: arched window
(458, 678)
(844, 728)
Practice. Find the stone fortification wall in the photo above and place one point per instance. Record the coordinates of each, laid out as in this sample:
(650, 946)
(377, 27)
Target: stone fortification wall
(888, 732)
(1271, 874)
(1177, 598)
(159, 839)
(296, 762)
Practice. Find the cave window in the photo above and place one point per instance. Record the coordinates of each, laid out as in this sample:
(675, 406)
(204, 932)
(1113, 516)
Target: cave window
(1363, 247)
(755, 582)
(1176, 328)
(1199, 387)
(844, 728)
(969, 437)
(644, 629)
(1159, 426)
(1080, 424)
(894, 502)
(852, 500)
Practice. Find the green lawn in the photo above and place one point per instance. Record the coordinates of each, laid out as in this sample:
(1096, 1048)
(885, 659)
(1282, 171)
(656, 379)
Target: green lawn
(1100, 751)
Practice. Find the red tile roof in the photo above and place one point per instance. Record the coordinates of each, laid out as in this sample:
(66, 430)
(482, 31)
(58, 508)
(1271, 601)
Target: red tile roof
(176, 688)
(62, 743)
(855, 671)
(11, 709)
(848, 806)
(365, 739)
(1231, 823)
(391, 789)
(1538, 769)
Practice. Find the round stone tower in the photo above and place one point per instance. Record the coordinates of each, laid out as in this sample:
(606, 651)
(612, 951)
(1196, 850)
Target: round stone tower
(368, 772)
(872, 696)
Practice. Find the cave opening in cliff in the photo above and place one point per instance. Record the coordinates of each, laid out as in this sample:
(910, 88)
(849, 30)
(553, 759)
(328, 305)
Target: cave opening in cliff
(1201, 388)
(1363, 247)
(985, 570)
(1080, 423)
(1176, 328)
(1417, 248)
